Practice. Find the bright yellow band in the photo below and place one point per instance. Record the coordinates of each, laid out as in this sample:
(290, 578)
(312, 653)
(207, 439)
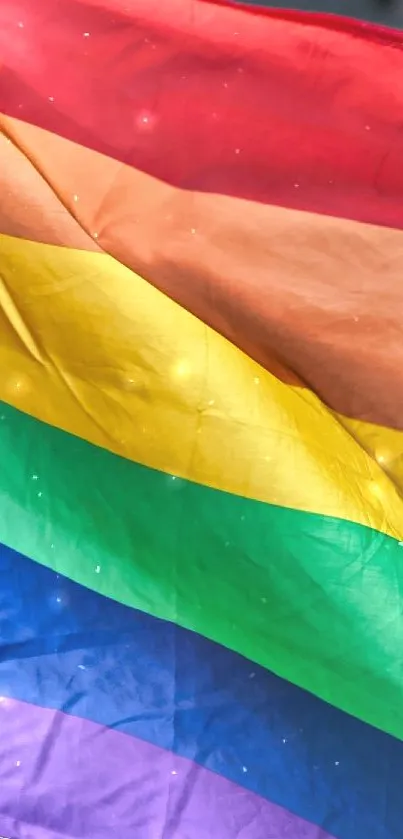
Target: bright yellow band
(88, 346)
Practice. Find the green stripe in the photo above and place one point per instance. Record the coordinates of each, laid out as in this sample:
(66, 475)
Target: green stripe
(315, 599)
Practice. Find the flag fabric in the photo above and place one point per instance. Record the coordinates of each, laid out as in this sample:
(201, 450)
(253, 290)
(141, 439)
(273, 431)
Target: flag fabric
(201, 423)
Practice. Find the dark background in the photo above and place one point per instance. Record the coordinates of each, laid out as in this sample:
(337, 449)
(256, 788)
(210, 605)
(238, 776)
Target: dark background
(388, 12)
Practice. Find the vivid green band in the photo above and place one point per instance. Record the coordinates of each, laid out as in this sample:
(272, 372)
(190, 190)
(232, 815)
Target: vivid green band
(311, 597)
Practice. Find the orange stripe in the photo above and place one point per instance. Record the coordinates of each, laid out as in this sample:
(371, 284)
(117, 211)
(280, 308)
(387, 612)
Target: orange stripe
(30, 208)
(298, 292)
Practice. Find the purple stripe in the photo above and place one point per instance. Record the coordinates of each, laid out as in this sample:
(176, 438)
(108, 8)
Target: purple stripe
(61, 776)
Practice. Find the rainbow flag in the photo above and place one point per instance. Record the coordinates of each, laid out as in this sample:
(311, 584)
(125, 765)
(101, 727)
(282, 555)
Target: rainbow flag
(201, 423)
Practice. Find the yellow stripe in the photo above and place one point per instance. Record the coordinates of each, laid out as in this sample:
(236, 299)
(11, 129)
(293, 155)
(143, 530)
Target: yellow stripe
(90, 347)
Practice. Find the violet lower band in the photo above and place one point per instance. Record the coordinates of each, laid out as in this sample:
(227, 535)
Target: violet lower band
(118, 785)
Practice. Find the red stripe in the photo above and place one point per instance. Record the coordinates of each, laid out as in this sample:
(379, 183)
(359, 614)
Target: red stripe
(214, 98)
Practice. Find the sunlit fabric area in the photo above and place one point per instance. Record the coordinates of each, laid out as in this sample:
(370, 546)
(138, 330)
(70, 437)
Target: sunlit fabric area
(201, 419)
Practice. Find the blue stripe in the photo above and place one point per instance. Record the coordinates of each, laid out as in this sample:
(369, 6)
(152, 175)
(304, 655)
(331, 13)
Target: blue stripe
(66, 647)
